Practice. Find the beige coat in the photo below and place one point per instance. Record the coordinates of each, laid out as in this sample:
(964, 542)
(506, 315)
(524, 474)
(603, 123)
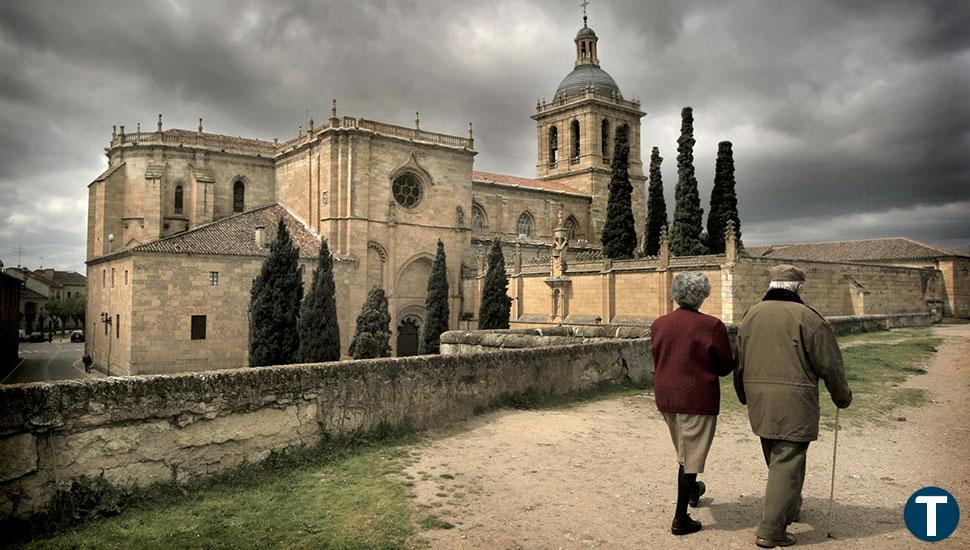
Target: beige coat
(784, 348)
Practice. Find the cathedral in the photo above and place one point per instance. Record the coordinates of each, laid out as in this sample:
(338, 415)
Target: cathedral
(179, 223)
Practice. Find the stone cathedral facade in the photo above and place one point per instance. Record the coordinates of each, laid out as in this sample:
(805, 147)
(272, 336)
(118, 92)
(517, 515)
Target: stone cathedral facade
(179, 223)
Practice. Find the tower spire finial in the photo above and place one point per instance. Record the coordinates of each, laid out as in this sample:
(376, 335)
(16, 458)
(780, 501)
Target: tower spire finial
(584, 3)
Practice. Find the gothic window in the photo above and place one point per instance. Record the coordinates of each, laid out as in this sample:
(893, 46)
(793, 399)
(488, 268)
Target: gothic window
(478, 219)
(605, 138)
(238, 196)
(571, 225)
(553, 144)
(407, 190)
(574, 127)
(178, 199)
(524, 225)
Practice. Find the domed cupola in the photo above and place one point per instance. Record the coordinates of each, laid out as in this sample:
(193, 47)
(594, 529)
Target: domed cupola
(587, 74)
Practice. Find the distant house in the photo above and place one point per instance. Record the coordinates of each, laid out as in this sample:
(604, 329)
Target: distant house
(898, 251)
(41, 285)
(9, 320)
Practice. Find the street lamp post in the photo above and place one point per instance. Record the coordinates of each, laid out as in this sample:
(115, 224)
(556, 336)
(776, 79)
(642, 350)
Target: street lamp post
(106, 319)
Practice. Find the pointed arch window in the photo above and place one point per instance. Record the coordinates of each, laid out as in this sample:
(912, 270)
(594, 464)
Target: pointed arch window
(605, 138)
(525, 225)
(478, 219)
(574, 131)
(179, 196)
(553, 145)
(238, 196)
(571, 224)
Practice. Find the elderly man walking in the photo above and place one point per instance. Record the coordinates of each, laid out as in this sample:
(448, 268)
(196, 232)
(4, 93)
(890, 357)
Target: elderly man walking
(784, 348)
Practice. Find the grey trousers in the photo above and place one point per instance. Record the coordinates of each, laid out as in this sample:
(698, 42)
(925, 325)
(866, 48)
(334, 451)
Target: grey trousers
(783, 493)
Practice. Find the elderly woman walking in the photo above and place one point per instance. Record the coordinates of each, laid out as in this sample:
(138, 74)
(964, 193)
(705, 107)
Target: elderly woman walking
(690, 351)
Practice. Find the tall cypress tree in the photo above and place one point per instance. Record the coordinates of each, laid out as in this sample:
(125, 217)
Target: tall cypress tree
(274, 306)
(656, 207)
(724, 200)
(436, 304)
(319, 332)
(496, 303)
(685, 232)
(619, 231)
(373, 335)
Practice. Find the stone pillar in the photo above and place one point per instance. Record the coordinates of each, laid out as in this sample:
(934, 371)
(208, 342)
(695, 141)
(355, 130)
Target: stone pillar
(730, 244)
(665, 275)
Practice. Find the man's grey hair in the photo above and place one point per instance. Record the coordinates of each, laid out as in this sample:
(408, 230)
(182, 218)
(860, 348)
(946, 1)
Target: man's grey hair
(691, 288)
(791, 286)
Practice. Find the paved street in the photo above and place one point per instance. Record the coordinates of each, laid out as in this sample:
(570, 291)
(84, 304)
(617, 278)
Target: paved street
(47, 362)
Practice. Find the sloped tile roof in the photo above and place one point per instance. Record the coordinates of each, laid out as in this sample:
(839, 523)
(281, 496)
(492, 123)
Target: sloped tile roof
(514, 181)
(236, 235)
(889, 248)
(70, 278)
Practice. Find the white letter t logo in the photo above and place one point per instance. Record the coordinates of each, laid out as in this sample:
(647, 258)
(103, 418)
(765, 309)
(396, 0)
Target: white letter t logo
(931, 502)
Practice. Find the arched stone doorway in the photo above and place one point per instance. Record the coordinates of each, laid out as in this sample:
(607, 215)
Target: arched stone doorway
(407, 336)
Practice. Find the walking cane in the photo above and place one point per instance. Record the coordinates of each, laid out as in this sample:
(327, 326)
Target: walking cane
(835, 449)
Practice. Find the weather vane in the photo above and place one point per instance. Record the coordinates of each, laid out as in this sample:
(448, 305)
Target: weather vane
(584, 3)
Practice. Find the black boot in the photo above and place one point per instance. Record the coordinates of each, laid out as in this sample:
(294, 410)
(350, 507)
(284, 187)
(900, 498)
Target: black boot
(698, 492)
(683, 524)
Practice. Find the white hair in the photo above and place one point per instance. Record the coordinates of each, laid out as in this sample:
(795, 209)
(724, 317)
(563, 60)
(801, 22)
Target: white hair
(791, 286)
(691, 288)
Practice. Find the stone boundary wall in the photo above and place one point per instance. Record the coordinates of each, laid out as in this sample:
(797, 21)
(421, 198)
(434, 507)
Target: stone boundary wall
(137, 431)
(857, 324)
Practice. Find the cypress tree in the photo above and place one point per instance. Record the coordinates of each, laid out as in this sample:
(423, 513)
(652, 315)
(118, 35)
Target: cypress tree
(373, 335)
(656, 207)
(496, 303)
(274, 306)
(685, 232)
(619, 231)
(724, 200)
(318, 329)
(436, 304)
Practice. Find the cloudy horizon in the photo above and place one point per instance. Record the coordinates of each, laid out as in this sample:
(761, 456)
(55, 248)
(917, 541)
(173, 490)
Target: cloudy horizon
(848, 121)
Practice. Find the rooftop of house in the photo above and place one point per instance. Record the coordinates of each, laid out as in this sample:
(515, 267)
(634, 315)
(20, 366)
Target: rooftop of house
(883, 249)
(236, 235)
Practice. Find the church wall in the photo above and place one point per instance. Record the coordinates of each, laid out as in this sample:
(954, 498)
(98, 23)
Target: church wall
(293, 180)
(891, 289)
(956, 279)
(109, 290)
(503, 206)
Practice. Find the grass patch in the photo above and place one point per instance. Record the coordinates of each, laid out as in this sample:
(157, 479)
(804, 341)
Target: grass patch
(434, 522)
(876, 364)
(341, 497)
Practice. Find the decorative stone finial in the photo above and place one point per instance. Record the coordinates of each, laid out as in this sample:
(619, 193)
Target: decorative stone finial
(138, 128)
(560, 214)
(470, 133)
(200, 125)
(159, 122)
(417, 121)
(122, 128)
(333, 108)
(311, 124)
(114, 131)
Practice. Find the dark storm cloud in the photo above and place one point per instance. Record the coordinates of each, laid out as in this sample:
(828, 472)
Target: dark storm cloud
(849, 119)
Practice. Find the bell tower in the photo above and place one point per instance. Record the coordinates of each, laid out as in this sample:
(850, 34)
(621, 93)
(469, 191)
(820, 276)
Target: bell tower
(576, 131)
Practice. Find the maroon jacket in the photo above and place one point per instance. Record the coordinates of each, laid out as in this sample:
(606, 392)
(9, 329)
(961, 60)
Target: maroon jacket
(690, 351)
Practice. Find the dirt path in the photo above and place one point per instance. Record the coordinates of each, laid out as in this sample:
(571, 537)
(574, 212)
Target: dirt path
(603, 474)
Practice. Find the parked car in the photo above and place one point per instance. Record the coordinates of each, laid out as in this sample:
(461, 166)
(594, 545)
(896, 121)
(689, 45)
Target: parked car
(77, 336)
(36, 336)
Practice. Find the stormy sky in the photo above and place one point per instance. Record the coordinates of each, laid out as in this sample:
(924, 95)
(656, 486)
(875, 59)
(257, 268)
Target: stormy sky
(849, 119)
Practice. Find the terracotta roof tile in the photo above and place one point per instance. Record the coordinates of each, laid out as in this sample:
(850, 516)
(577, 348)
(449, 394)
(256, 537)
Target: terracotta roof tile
(889, 248)
(539, 185)
(236, 235)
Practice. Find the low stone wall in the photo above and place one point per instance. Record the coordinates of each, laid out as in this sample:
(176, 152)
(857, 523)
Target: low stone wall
(855, 324)
(470, 341)
(136, 431)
